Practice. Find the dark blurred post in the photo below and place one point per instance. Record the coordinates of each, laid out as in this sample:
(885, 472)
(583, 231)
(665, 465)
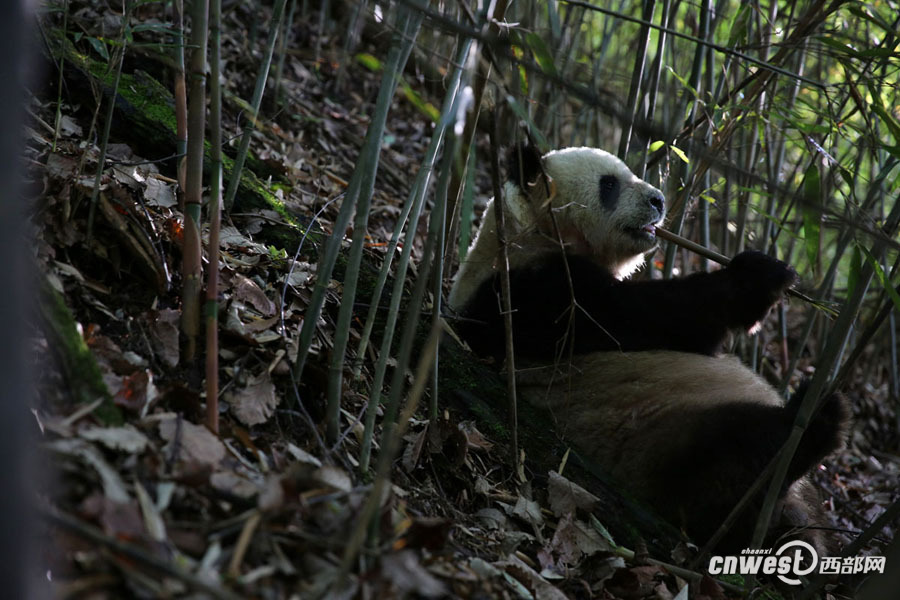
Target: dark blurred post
(16, 520)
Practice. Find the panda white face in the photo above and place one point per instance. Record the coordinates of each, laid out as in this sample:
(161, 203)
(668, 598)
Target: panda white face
(601, 204)
(601, 211)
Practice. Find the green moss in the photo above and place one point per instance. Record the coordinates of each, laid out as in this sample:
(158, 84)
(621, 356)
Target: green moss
(145, 112)
(80, 369)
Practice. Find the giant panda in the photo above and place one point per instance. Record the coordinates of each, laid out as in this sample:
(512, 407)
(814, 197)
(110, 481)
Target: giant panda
(630, 369)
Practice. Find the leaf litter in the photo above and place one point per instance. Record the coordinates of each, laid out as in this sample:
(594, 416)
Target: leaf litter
(264, 510)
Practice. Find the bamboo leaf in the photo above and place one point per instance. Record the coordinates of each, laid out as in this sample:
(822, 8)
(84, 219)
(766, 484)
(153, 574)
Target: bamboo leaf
(879, 53)
(811, 214)
(99, 47)
(873, 18)
(541, 52)
(892, 150)
(539, 138)
(883, 279)
(680, 154)
(737, 33)
(368, 61)
(839, 46)
(518, 53)
(426, 108)
(683, 81)
(888, 119)
(160, 28)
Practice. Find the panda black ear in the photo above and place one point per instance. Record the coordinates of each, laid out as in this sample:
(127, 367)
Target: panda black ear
(523, 164)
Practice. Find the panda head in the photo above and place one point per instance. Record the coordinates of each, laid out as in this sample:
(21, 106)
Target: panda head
(601, 208)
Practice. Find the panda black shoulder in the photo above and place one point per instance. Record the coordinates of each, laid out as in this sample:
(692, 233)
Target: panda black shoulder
(541, 291)
(523, 164)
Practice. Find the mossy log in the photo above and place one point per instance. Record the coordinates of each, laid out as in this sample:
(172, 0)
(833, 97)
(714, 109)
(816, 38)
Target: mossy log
(144, 117)
(474, 388)
(76, 362)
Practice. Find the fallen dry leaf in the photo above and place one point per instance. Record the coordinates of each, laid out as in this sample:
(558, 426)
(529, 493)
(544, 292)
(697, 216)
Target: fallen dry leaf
(234, 483)
(159, 193)
(126, 438)
(254, 403)
(113, 486)
(195, 443)
(404, 570)
(567, 497)
(164, 334)
(246, 290)
(541, 589)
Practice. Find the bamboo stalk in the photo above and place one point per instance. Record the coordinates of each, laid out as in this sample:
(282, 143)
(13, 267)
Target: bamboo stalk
(653, 88)
(687, 172)
(215, 219)
(391, 445)
(59, 83)
(282, 52)
(191, 266)
(692, 246)
(505, 291)
(329, 254)
(181, 116)
(484, 70)
(411, 210)
(407, 26)
(637, 76)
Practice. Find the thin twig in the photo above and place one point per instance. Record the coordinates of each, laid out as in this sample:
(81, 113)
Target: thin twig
(415, 202)
(243, 543)
(215, 220)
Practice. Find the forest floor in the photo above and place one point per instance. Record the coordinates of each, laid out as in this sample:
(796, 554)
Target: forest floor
(149, 503)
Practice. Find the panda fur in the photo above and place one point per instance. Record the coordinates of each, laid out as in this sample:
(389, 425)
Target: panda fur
(629, 370)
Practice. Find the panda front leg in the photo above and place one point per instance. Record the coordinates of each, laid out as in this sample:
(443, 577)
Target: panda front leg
(693, 313)
(567, 303)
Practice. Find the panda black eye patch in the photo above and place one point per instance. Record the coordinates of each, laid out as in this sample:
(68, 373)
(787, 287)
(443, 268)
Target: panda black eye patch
(609, 192)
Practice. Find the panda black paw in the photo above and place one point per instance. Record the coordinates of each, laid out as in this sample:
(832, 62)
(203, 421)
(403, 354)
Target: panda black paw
(759, 281)
(829, 427)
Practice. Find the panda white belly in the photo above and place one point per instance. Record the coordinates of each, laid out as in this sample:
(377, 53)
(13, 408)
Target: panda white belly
(686, 433)
(610, 404)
